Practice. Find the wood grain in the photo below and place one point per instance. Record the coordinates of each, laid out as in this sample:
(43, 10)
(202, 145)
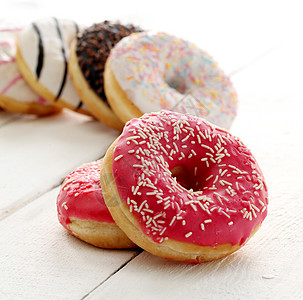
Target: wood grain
(36, 154)
(41, 260)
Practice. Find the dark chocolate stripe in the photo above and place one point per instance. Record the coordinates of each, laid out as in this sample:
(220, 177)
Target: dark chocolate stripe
(79, 105)
(64, 57)
(41, 51)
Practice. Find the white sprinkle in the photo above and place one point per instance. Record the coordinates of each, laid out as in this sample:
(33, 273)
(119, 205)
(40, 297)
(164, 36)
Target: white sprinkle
(175, 145)
(161, 233)
(76, 194)
(167, 206)
(255, 207)
(131, 151)
(213, 160)
(207, 147)
(138, 166)
(186, 138)
(209, 177)
(183, 222)
(136, 190)
(65, 206)
(217, 176)
(151, 193)
(230, 223)
(202, 226)
(224, 213)
(207, 221)
(262, 203)
(226, 182)
(193, 207)
(222, 174)
(141, 205)
(263, 209)
(188, 234)
(172, 221)
(133, 137)
(193, 152)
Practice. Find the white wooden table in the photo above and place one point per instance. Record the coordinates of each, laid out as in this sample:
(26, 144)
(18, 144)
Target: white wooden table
(261, 46)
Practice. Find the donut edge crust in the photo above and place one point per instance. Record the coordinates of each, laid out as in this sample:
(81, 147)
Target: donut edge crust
(15, 106)
(95, 104)
(100, 234)
(122, 106)
(169, 249)
(32, 80)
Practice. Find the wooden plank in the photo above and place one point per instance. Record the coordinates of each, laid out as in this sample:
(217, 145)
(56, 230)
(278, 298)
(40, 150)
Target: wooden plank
(37, 153)
(41, 260)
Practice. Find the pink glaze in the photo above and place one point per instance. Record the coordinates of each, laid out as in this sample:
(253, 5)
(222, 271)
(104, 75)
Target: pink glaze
(6, 61)
(10, 29)
(81, 196)
(226, 196)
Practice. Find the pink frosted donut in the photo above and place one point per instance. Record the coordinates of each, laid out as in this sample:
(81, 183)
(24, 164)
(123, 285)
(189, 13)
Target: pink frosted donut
(15, 94)
(147, 72)
(82, 211)
(182, 188)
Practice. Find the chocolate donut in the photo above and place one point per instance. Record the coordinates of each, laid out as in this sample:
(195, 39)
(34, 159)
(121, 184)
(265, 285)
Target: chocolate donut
(93, 48)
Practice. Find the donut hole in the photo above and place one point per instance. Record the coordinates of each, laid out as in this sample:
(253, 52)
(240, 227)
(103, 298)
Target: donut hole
(178, 84)
(189, 178)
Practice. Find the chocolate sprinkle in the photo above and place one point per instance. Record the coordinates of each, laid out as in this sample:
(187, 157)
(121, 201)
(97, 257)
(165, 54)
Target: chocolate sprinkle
(93, 48)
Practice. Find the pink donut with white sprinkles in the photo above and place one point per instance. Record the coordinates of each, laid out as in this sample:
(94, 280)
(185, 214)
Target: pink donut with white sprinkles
(160, 71)
(182, 188)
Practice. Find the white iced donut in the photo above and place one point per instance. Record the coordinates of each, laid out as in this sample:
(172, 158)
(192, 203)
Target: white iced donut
(42, 56)
(147, 72)
(15, 94)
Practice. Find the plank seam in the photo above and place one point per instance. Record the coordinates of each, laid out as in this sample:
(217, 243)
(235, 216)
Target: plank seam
(115, 272)
(18, 205)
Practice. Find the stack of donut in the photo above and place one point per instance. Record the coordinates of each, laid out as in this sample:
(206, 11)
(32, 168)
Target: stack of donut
(111, 71)
(176, 185)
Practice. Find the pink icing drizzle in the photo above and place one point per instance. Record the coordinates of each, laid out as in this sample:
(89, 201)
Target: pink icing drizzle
(10, 84)
(6, 61)
(228, 198)
(10, 29)
(81, 196)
